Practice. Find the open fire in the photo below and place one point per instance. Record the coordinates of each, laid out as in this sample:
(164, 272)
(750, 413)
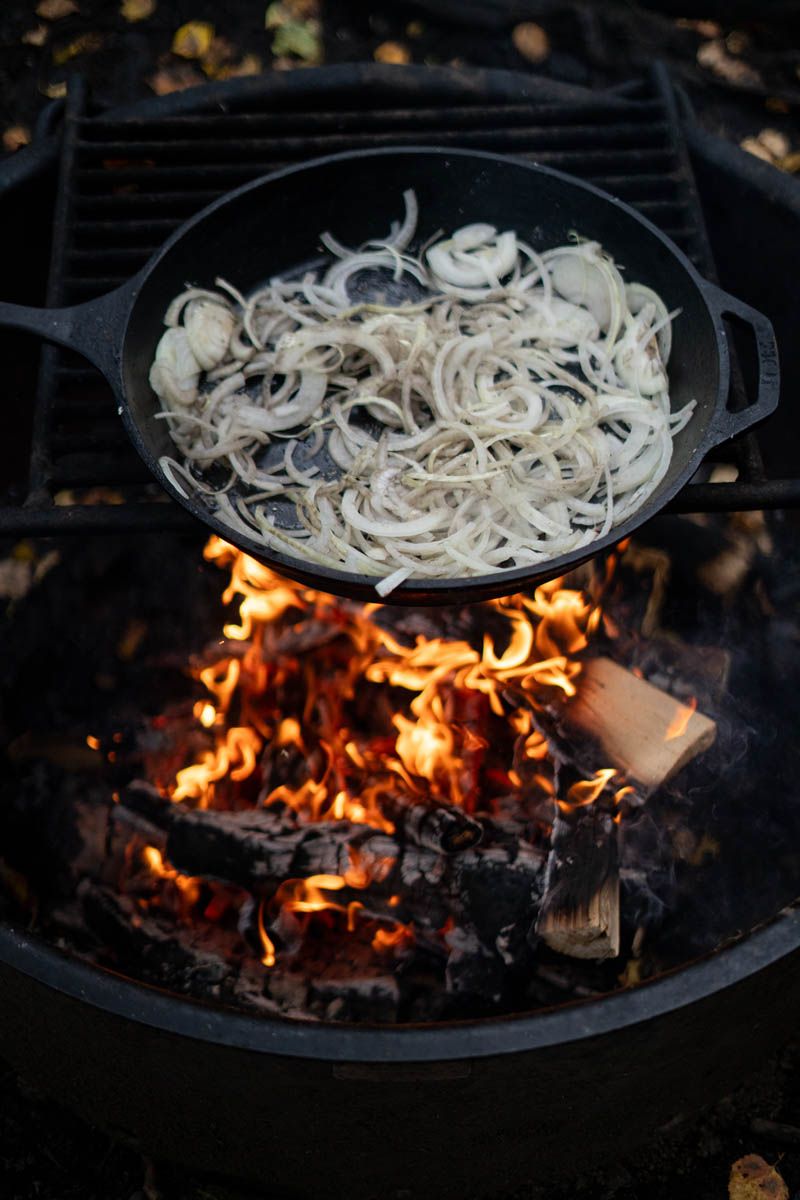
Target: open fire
(368, 813)
(390, 802)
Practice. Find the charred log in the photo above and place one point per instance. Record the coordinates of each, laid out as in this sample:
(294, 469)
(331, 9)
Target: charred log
(260, 848)
(433, 826)
(619, 720)
(494, 888)
(579, 914)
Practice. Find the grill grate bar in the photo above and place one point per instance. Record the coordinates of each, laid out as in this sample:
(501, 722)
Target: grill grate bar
(594, 113)
(530, 138)
(128, 182)
(587, 163)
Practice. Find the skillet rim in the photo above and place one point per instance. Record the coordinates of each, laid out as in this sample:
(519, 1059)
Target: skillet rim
(101, 988)
(469, 588)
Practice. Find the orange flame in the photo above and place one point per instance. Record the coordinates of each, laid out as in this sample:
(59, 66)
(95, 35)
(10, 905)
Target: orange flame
(679, 723)
(586, 791)
(435, 739)
(267, 945)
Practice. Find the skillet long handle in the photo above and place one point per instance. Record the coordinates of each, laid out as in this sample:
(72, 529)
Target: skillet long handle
(727, 424)
(93, 329)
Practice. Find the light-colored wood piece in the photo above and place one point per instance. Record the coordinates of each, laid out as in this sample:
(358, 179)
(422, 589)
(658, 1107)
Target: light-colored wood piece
(587, 932)
(634, 724)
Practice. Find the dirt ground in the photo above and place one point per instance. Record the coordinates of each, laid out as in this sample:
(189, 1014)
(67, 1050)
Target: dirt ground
(47, 1154)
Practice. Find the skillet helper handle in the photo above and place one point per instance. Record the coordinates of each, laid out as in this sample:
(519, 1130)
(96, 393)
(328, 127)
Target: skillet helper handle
(93, 329)
(728, 424)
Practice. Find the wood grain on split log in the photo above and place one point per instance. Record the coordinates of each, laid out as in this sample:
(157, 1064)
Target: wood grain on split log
(628, 724)
(579, 915)
(637, 727)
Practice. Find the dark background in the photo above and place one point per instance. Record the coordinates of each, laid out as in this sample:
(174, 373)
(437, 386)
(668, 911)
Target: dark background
(45, 1153)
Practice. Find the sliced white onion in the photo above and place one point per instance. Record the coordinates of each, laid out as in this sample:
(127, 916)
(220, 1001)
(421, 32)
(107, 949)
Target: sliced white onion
(517, 412)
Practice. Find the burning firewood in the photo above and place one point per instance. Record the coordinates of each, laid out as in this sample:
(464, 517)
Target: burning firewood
(580, 909)
(440, 827)
(648, 735)
(634, 726)
(258, 849)
(493, 889)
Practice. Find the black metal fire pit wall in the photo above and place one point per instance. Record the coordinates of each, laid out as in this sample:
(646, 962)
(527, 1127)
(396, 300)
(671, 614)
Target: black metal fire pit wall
(447, 1110)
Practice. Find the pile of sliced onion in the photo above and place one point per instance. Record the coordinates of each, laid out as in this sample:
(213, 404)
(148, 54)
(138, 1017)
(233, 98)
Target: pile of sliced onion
(515, 413)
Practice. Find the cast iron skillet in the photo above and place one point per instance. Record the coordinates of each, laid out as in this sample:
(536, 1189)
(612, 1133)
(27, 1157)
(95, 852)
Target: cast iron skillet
(272, 226)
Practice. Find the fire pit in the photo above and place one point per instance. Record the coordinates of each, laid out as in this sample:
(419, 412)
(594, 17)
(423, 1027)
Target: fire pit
(283, 849)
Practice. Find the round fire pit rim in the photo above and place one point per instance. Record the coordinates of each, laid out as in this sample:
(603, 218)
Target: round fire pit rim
(182, 1016)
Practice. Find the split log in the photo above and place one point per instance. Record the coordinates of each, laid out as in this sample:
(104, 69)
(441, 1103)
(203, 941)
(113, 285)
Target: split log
(634, 726)
(617, 720)
(579, 915)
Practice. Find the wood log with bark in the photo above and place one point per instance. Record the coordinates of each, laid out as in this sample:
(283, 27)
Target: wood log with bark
(494, 888)
(443, 828)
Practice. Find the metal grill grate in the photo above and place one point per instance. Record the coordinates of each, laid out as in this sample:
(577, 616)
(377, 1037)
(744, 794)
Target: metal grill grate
(127, 182)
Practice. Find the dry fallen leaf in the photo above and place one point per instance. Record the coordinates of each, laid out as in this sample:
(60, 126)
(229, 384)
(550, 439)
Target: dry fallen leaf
(284, 12)
(193, 40)
(715, 57)
(251, 64)
(776, 104)
(87, 43)
(219, 54)
(776, 142)
(299, 38)
(54, 91)
(752, 1178)
(790, 163)
(54, 10)
(769, 144)
(753, 146)
(531, 41)
(176, 78)
(392, 52)
(137, 10)
(16, 136)
(35, 37)
(706, 29)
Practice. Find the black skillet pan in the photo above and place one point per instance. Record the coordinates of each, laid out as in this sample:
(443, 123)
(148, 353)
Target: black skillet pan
(272, 226)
